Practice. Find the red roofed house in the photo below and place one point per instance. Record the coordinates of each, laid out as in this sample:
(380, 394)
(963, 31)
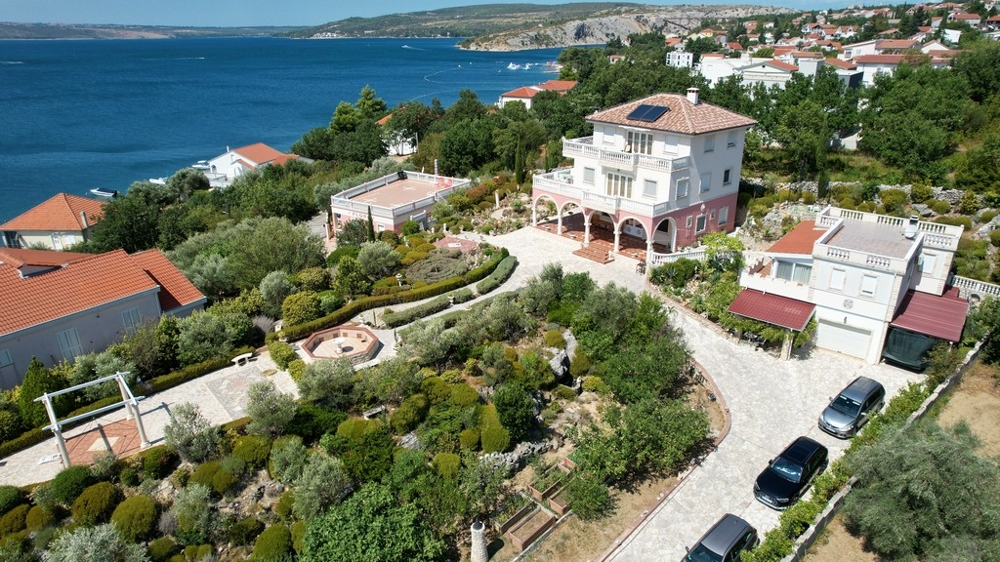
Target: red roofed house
(234, 163)
(57, 305)
(58, 222)
(877, 285)
(660, 170)
(525, 94)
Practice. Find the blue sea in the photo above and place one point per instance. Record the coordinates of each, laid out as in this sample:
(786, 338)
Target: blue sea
(75, 115)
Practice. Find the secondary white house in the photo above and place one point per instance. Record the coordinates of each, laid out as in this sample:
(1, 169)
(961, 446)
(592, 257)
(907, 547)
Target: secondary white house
(57, 305)
(661, 170)
(392, 200)
(233, 163)
(876, 284)
(57, 223)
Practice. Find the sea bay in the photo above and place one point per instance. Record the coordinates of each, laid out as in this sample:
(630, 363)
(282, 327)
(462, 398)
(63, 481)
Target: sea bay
(75, 115)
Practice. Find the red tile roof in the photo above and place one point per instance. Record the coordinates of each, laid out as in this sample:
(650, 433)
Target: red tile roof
(799, 240)
(557, 85)
(940, 317)
(782, 65)
(61, 212)
(18, 258)
(896, 44)
(879, 59)
(260, 153)
(733, 45)
(175, 289)
(522, 92)
(773, 309)
(85, 281)
(847, 65)
(84, 284)
(682, 116)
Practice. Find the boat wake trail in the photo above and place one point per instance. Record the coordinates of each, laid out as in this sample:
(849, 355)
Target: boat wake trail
(10, 62)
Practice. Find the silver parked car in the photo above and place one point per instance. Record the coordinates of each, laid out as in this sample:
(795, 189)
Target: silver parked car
(724, 541)
(852, 408)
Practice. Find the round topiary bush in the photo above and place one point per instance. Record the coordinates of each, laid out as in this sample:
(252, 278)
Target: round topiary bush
(161, 549)
(495, 439)
(14, 520)
(135, 517)
(275, 543)
(39, 517)
(554, 338)
(469, 439)
(158, 462)
(282, 354)
(296, 369)
(223, 481)
(70, 483)
(10, 497)
(410, 413)
(447, 464)
(463, 395)
(245, 531)
(129, 476)
(253, 450)
(96, 504)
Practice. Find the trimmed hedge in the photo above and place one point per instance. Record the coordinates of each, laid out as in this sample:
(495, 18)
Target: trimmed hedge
(275, 543)
(282, 354)
(135, 517)
(253, 450)
(10, 497)
(70, 483)
(394, 319)
(161, 549)
(353, 308)
(96, 504)
(245, 531)
(499, 275)
(14, 520)
(39, 517)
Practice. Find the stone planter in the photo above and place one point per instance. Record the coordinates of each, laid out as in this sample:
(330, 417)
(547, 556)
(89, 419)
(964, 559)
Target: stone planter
(503, 526)
(559, 501)
(543, 486)
(530, 528)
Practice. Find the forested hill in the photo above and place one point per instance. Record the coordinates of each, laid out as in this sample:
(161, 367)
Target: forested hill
(529, 26)
(9, 30)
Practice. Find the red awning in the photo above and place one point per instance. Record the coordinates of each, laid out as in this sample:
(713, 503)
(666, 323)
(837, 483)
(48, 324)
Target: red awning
(940, 317)
(773, 309)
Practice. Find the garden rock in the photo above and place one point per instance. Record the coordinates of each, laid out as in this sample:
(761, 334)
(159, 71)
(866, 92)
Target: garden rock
(923, 210)
(515, 459)
(983, 232)
(559, 364)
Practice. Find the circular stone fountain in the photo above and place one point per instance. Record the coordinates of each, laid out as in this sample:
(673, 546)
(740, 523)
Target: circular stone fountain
(357, 343)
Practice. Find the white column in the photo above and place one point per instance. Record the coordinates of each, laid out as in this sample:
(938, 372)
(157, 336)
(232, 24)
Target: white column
(618, 238)
(586, 230)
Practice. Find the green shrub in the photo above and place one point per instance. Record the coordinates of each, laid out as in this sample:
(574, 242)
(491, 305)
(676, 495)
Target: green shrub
(129, 476)
(245, 531)
(920, 193)
(194, 553)
(495, 439)
(955, 221)
(223, 481)
(436, 390)
(554, 338)
(70, 483)
(565, 393)
(161, 549)
(469, 439)
(340, 253)
(96, 504)
(595, 384)
(394, 319)
(285, 504)
(938, 206)
(995, 237)
(159, 461)
(300, 307)
(590, 497)
(253, 450)
(204, 473)
(296, 369)
(808, 197)
(27, 439)
(282, 354)
(410, 413)
(10, 496)
(273, 545)
(312, 421)
(986, 216)
(14, 521)
(39, 517)
(499, 275)
(447, 465)
(580, 365)
(463, 395)
(135, 518)
(298, 534)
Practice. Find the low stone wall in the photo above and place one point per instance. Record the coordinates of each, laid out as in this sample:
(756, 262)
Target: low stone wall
(806, 540)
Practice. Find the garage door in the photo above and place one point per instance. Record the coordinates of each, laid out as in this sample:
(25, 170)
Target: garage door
(845, 339)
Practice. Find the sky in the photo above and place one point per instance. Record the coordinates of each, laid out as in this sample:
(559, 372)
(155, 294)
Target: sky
(234, 13)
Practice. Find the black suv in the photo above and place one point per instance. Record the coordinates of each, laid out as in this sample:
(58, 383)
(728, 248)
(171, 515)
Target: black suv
(724, 541)
(788, 476)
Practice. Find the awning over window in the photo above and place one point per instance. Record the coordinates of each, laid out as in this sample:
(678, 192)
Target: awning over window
(939, 317)
(773, 309)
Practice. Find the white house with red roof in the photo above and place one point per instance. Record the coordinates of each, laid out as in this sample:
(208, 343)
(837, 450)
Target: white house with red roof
(226, 167)
(877, 285)
(57, 305)
(662, 170)
(525, 94)
(59, 222)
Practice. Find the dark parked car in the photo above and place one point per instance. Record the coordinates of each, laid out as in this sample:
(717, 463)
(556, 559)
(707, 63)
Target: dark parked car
(724, 541)
(852, 408)
(788, 475)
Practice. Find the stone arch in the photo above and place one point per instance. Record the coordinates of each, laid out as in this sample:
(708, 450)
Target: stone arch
(576, 222)
(534, 206)
(665, 233)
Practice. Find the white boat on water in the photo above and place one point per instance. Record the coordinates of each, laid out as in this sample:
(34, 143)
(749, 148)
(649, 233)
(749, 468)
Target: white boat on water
(202, 165)
(513, 66)
(158, 181)
(104, 192)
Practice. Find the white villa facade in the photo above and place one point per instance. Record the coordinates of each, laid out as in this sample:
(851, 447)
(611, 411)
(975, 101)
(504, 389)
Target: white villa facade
(876, 284)
(664, 169)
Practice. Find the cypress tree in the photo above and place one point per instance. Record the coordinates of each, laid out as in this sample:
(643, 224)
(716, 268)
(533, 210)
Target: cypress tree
(371, 225)
(37, 381)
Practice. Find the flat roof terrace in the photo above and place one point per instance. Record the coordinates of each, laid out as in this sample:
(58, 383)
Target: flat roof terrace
(399, 192)
(397, 195)
(872, 238)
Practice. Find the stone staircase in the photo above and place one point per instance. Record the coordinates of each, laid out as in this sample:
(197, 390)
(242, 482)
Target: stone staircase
(598, 250)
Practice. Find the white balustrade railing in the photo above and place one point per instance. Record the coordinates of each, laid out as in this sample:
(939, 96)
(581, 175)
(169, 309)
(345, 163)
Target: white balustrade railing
(444, 186)
(968, 287)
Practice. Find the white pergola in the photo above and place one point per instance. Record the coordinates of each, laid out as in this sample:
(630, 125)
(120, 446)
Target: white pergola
(130, 401)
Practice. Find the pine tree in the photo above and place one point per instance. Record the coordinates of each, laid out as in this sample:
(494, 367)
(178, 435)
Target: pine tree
(371, 225)
(37, 381)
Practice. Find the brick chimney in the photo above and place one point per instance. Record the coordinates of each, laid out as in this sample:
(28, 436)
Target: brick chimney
(693, 95)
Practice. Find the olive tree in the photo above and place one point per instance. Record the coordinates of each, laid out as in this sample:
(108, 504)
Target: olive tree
(270, 410)
(190, 434)
(329, 381)
(94, 544)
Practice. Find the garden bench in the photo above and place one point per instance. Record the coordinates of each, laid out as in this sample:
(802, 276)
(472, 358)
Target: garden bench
(242, 359)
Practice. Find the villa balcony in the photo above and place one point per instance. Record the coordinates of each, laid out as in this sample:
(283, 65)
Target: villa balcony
(584, 148)
(935, 235)
(561, 182)
(758, 277)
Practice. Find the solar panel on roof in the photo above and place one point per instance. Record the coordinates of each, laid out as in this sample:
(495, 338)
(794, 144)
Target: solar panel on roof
(647, 113)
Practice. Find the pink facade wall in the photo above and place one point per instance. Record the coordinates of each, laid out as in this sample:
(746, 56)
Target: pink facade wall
(686, 236)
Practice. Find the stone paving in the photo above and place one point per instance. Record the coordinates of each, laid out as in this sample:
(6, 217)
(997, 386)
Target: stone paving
(771, 403)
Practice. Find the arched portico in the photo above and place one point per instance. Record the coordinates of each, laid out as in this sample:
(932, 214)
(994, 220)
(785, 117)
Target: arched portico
(665, 234)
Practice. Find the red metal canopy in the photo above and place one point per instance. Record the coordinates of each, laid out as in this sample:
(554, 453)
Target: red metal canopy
(773, 309)
(940, 317)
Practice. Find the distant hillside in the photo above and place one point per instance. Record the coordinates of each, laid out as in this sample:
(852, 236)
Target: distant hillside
(505, 27)
(10, 30)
